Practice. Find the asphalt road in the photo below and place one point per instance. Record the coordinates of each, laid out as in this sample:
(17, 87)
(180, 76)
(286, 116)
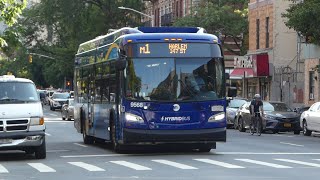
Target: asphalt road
(270, 156)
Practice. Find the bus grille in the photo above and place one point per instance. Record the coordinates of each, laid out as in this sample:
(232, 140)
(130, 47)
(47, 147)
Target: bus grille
(13, 125)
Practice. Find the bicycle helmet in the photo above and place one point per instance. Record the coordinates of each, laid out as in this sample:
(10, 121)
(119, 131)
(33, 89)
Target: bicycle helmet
(257, 96)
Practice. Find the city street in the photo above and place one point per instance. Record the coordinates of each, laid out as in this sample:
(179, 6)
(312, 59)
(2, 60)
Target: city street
(243, 157)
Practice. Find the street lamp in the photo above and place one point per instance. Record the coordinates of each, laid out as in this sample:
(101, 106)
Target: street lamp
(126, 8)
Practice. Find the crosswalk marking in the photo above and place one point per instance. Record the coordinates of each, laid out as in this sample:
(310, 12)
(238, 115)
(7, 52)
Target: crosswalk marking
(86, 166)
(131, 165)
(219, 163)
(3, 169)
(299, 162)
(41, 167)
(174, 164)
(263, 163)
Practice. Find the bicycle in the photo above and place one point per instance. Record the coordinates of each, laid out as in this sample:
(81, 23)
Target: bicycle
(256, 124)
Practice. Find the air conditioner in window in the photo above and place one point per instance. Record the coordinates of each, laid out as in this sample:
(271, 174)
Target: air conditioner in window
(311, 96)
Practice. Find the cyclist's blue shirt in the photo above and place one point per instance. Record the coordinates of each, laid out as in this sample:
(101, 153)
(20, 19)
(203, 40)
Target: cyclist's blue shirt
(256, 105)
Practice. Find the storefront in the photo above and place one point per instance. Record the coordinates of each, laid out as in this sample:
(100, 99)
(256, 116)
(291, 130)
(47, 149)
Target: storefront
(251, 76)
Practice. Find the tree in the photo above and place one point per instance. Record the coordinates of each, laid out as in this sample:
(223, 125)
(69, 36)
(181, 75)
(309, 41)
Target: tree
(304, 17)
(222, 17)
(68, 24)
(9, 12)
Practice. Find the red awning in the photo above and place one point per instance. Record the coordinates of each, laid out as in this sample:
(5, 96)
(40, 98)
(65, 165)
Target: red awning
(240, 72)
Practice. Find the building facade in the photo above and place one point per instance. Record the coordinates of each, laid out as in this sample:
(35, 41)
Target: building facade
(311, 57)
(270, 40)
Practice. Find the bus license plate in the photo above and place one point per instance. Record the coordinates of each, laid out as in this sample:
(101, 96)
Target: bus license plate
(5, 141)
(287, 125)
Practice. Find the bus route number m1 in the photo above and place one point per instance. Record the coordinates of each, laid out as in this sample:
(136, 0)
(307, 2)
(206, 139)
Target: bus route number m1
(175, 48)
(145, 49)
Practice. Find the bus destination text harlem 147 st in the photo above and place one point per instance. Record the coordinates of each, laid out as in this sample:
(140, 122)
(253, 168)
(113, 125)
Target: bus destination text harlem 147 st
(149, 86)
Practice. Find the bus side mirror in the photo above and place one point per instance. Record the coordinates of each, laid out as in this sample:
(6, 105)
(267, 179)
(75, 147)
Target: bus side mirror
(121, 64)
(227, 75)
(232, 92)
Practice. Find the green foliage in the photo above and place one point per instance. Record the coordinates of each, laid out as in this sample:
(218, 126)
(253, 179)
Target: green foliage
(9, 12)
(68, 24)
(222, 17)
(304, 18)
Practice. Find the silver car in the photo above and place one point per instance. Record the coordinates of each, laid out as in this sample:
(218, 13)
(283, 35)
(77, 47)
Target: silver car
(232, 108)
(67, 110)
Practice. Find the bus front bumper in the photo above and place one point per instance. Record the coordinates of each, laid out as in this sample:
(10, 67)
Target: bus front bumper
(140, 136)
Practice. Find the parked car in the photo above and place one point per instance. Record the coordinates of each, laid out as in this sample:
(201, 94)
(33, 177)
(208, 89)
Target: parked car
(300, 110)
(67, 110)
(21, 119)
(233, 105)
(57, 100)
(277, 117)
(310, 119)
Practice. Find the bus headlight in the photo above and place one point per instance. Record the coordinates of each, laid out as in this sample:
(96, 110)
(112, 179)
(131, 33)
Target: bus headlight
(34, 121)
(133, 118)
(217, 117)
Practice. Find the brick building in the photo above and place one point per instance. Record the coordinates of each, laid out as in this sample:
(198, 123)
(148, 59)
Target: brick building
(280, 79)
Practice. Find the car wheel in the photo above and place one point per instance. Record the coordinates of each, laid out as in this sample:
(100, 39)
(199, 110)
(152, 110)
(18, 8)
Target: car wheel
(240, 125)
(275, 131)
(306, 132)
(235, 126)
(41, 152)
(63, 118)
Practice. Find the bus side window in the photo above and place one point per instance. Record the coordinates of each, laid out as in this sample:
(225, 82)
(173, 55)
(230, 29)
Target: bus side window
(105, 82)
(112, 82)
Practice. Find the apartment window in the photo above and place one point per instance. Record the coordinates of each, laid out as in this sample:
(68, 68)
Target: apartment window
(267, 32)
(311, 85)
(258, 33)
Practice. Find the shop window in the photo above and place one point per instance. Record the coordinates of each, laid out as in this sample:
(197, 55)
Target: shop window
(267, 32)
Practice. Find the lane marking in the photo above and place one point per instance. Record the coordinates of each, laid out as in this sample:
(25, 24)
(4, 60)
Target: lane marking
(62, 150)
(174, 164)
(291, 144)
(82, 145)
(51, 114)
(131, 165)
(299, 162)
(47, 134)
(3, 169)
(218, 163)
(266, 153)
(263, 163)
(41, 167)
(86, 166)
(93, 155)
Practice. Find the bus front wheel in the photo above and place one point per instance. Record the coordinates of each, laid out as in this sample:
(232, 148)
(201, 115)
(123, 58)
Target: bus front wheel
(116, 146)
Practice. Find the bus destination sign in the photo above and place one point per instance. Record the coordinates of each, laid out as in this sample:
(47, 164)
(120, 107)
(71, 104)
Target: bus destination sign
(173, 50)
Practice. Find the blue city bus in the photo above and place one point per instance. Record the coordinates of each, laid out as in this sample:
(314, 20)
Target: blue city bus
(151, 86)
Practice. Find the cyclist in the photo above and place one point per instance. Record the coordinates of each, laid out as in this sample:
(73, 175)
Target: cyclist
(256, 108)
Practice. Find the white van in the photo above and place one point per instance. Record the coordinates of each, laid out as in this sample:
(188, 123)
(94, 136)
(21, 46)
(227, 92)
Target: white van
(21, 117)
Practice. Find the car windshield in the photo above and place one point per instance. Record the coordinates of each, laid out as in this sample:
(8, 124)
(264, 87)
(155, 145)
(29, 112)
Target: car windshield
(18, 92)
(276, 107)
(236, 103)
(60, 96)
(175, 79)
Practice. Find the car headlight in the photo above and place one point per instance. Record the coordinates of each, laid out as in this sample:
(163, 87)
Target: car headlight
(133, 118)
(56, 103)
(34, 121)
(270, 117)
(217, 117)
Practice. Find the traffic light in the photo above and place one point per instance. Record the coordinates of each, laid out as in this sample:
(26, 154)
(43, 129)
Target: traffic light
(68, 84)
(30, 58)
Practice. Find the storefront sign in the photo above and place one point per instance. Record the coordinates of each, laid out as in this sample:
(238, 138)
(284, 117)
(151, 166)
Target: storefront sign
(242, 62)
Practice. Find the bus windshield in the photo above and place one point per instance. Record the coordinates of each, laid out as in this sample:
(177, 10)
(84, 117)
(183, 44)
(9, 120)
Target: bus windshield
(175, 79)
